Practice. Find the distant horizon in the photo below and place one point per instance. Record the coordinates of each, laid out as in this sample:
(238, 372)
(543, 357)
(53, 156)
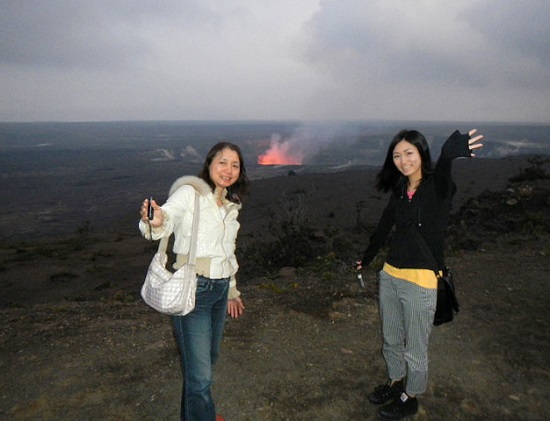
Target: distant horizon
(285, 121)
(336, 142)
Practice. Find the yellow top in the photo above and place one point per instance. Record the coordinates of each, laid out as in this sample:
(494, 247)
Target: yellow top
(422, 277)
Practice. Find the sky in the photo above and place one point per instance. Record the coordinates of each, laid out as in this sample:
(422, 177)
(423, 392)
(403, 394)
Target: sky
(306, 60)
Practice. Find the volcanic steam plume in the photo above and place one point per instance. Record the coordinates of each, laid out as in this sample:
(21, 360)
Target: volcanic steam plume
(281, 153)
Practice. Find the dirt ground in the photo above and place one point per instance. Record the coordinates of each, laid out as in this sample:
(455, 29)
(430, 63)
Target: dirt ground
(77, 343)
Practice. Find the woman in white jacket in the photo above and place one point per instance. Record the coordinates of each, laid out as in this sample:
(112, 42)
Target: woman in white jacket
(220, 186)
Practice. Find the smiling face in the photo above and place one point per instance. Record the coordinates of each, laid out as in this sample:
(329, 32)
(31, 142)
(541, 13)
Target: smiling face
(407, 160)
(225, 168)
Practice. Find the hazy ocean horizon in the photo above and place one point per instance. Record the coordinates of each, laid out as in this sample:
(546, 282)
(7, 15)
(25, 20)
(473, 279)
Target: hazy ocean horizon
(55, 177)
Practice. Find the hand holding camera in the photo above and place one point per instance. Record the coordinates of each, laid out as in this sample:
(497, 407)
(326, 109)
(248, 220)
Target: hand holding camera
(151, 212)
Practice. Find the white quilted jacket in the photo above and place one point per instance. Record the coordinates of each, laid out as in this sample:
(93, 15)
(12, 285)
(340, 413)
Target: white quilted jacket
(218, 227)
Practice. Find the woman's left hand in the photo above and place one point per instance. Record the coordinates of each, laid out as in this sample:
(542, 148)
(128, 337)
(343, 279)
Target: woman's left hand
(235, 307)
(472, 142)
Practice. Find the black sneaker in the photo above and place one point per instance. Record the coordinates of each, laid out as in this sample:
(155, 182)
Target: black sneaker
(385, 393)
(399, 408)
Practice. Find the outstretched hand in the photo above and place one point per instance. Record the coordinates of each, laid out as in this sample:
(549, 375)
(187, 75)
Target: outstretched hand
(158, 217)
(472, 142)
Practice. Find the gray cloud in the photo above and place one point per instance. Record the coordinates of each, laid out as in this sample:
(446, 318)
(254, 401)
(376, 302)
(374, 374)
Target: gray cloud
(518, 26)
(65, 33)
(464, 43)
(442, 60)
(313, 59)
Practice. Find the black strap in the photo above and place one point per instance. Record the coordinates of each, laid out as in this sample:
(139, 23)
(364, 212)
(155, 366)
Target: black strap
(425, 249)
(446, 279)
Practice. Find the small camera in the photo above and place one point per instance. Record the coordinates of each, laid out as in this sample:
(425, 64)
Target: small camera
(150, 210)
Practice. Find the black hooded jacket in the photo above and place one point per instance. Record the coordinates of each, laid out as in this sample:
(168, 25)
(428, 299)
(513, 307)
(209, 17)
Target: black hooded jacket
(428, 210)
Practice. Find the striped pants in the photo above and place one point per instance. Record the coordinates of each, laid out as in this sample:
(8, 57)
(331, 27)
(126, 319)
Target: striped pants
(407, 312)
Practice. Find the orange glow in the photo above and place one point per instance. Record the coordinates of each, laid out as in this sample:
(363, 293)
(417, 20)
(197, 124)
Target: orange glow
(279, 154)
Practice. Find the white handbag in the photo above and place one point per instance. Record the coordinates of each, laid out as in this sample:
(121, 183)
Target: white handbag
(172, 293)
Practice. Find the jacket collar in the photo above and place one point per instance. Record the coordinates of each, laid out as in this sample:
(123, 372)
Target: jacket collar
(197, 183)
(201, 187)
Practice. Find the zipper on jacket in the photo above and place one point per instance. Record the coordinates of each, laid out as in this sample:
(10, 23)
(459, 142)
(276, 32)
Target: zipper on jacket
(403, 194)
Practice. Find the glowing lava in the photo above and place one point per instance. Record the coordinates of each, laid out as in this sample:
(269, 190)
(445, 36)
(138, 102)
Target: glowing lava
(279, 154)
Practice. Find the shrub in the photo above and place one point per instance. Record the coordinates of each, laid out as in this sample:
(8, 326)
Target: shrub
(535, 172)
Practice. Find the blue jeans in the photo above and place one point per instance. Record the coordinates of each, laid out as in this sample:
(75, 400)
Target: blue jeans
(199, 335)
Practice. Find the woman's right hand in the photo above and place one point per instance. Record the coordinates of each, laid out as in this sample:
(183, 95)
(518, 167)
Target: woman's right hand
(158, 217)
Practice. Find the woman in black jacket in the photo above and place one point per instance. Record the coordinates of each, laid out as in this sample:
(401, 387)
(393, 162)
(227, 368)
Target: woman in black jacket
(420, 199)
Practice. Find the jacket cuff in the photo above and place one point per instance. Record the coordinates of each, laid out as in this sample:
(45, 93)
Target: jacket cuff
(153, 233)
(457, 146)
(233, 291)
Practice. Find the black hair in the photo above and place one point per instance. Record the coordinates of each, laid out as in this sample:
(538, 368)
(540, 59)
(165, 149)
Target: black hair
(389, 175)
(236, 191)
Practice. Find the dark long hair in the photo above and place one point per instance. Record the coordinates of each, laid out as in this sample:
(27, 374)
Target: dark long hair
(389, 175)
(236, 191)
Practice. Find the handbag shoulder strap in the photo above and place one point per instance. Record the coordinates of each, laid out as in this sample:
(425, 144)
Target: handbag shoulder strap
(425, 249)
(194, 234)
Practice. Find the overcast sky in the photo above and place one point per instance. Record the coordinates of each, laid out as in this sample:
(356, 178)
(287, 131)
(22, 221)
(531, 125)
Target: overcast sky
(95, 60)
